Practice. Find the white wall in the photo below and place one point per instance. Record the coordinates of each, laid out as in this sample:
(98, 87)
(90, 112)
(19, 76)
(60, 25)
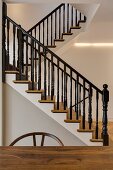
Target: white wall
(27, 15)
(21, 116)
(95, 63)
(0, 72)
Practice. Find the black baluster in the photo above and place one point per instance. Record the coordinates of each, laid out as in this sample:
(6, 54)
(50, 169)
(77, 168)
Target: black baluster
(39, 68)
(4, 60)
(32, 63)
(26, 57)
(14, 32)
(85, 18)
(80, 16)
(62, 78)
(65, 89)
(52, 78)
(20, 52)
(67, 18)
(31, 33)
(35, 58)
(79, 100)
(59, 23)
(76, 20)
(45, 81)
(77, 97)
(39, 33)
(71, 15)
(48, 78)
(90, 107)
(51, 30)
(43, 32)
(64, 18)
(57, 84)
(70, 94)
(55, 24)
(97, 98)
(7, 56)
(35, 64)
(105, 100)
(83, 119)
(47, 31)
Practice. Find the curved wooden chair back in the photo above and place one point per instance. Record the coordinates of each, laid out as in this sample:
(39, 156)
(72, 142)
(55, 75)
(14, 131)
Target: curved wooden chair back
(34, 134)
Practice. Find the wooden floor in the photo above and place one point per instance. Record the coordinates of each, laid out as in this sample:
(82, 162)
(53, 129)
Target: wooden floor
(56, 158)
(110, 131)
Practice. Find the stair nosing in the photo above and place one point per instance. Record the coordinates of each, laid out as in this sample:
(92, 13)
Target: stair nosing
(21, 81)
(85, 130)
(75, 27)
(96, 140)
(11, 72)
(59, 111)
(34, 91)
(46, 101)
(72, 121)
(67, 33)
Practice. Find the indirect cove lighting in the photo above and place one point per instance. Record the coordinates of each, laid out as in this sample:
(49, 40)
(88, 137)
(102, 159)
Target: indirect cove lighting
(93, 44)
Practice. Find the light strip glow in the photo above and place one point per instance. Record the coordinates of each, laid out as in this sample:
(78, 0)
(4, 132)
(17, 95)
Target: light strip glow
(93, 44)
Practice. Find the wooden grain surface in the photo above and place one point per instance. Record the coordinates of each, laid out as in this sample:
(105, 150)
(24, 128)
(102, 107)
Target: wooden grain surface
(56, 158)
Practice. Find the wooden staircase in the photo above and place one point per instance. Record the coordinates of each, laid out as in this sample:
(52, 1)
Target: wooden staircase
(47, 74)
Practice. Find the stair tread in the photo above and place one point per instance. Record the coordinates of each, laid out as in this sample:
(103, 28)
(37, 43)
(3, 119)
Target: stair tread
(59, 111)
(72, 121)
(67, 33)
(76, 27)
(34, 91)
(46, 101)
(85, 130)
(11, 72)
(21, 81)
(96, 140)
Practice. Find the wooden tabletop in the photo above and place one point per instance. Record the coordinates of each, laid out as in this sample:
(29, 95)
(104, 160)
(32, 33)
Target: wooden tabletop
(56, 158)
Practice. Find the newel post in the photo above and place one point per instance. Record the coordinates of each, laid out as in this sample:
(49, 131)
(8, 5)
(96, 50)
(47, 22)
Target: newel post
(105, 100)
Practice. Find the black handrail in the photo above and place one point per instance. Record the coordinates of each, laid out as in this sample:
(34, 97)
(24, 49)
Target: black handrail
(45, 17)
(45, 48)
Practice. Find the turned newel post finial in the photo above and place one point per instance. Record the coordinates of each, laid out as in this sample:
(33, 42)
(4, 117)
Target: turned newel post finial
(105, 100)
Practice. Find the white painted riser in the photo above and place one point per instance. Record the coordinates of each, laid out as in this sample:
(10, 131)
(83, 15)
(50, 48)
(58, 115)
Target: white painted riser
(46, 108)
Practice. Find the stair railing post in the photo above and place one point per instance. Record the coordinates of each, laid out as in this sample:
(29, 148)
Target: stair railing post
(4, 64)
(32, 64)
(20, 52)
(105, 100)
(90, 107)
